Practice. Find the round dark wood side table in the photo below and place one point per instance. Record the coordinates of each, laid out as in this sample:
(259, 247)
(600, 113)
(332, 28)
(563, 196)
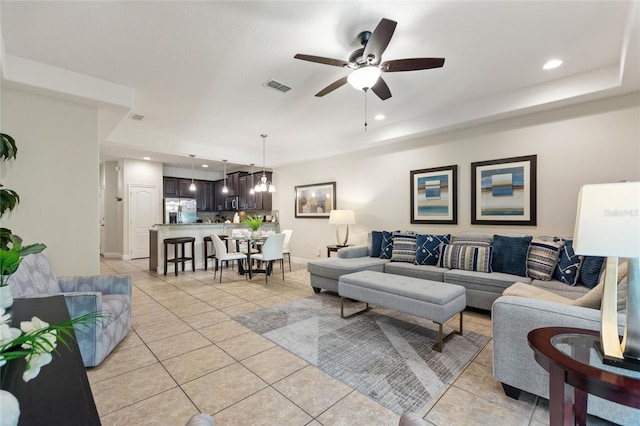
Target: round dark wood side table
(564, 352)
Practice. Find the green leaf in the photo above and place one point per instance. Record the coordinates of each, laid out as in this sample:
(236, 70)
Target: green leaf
(5, 238)
(9, 261)
(8, 148)
(9, 199)
(31, 249)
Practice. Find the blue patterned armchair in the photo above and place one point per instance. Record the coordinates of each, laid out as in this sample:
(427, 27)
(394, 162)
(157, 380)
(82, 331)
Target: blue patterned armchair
(109, 295)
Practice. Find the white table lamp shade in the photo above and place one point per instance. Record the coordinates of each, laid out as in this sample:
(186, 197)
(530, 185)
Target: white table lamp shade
(608, 220)
(608, 225)
(342, 217)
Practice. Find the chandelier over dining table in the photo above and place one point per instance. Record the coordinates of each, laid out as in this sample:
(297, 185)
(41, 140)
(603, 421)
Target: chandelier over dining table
(264, 185)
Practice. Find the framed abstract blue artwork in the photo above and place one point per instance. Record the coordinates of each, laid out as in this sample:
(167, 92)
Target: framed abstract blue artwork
(434, 195)
(503, 192)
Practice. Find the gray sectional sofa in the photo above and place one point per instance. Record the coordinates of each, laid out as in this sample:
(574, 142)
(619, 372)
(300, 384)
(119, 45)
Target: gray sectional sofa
(513, 315)
(482, 288)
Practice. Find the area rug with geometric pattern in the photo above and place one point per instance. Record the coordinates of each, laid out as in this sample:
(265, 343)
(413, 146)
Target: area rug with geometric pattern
(386, 358)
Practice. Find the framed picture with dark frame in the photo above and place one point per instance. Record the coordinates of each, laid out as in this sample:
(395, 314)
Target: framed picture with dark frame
(316, 200)
(503, 192)
(434, 195)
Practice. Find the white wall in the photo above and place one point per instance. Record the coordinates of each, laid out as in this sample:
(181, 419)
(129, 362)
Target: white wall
(56, 175)
(588, 143)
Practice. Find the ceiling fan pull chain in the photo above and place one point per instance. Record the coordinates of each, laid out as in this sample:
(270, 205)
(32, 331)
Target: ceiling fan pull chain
(365, 109)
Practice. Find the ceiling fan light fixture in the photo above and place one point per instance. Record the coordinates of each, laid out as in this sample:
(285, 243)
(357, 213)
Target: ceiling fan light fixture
(364, 77)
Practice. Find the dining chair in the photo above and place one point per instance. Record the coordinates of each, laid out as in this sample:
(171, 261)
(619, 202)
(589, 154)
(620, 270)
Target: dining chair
(222, 255)
(285, 246)
(271, 250)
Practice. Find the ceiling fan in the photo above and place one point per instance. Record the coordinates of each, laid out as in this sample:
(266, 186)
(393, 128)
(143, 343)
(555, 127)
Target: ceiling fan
(366, 62)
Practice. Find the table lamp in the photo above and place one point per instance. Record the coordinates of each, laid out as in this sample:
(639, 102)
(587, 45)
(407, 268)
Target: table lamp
(608, 224)
(342, 217)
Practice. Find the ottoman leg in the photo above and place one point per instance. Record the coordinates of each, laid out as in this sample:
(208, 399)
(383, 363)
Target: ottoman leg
(342, 315)
(440, 344)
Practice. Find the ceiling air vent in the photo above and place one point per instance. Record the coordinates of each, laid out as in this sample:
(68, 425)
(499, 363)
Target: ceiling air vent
(136, 117)
(278, 86)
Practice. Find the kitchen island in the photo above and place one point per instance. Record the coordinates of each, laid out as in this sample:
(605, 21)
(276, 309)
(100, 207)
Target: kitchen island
(159, 232)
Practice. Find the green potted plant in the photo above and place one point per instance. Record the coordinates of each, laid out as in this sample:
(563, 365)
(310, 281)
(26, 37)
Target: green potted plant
(253, 222)
(11, 249)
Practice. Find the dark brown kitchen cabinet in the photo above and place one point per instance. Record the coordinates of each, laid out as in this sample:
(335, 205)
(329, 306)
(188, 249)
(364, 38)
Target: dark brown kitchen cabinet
(232, 183)
(170, 187)
(202, 201)
(218, 195)
(183, 188)
(243, 190)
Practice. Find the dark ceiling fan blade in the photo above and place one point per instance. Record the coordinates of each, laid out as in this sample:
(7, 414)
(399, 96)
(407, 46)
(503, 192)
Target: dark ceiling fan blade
(412, 64)
(379, 40)
(381, 89)
(333, 86)
(321, 60)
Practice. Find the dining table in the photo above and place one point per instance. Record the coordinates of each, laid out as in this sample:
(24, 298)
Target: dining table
(251, 241)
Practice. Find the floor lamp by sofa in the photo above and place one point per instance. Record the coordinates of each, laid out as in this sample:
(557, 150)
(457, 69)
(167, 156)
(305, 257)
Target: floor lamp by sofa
(608, 224)
(342, 217)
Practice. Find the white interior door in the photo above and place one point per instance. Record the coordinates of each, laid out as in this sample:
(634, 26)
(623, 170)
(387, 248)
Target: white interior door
(143, 205)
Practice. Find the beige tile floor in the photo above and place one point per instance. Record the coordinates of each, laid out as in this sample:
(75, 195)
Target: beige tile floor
(186, 354)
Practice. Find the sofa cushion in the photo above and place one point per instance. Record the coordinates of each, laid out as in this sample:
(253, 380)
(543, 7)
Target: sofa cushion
(510, 254)
(469, 258)
(494, 282)
(34, 276)
(428, 248)
(560, 288)
(590, 270)
(425, 272)
(569, 262)
(404, 247)
(386, 247)
(334, 267)
(376, 243)
(543, 258)
(591, 299)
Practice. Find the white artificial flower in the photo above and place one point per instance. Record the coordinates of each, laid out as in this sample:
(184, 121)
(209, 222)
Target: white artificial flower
(8, 334)
(34, 363)
(2, 360)
(32, 326)
(4, 319)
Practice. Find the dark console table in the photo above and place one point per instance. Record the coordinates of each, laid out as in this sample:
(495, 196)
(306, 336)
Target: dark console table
(60, 394)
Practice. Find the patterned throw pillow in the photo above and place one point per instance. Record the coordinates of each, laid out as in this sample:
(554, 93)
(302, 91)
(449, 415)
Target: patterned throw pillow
(376, 243)
(404, 247)
(569, 262)
(469, 258)
(510, 254)
(428, 248)
(472, 239)
(590, 270)
(386, 247)
(543, 258)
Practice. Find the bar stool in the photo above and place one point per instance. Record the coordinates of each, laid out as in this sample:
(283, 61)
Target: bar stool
(179, 256)
(206, 241)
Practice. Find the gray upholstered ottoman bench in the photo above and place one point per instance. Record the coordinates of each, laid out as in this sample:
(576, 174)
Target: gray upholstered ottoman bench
(431, 300)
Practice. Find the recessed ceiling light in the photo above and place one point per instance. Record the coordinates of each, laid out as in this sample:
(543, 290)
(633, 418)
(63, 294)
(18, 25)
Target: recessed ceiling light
(146, 158)
(205, 165)
(379, 117)
(551, 64)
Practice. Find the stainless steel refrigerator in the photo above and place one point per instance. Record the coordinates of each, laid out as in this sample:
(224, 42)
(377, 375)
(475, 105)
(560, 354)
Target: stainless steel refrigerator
(180, 210)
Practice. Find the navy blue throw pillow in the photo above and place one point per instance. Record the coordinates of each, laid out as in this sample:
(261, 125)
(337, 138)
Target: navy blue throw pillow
(568, 264)
(376, 243)
(510, 254)
(428, 248)
(590, 270)
(386, 247)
